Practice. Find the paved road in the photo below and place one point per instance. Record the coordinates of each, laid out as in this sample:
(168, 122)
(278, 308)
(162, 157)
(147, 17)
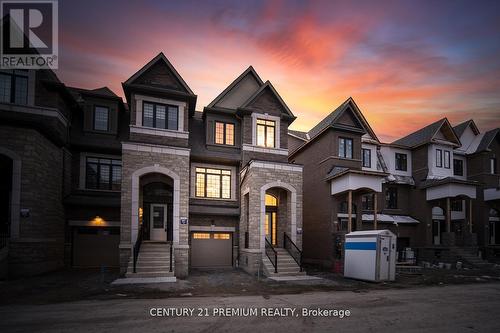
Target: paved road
(459, 308)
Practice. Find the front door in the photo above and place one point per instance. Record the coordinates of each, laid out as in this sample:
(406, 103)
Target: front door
(271, 227)
(438, 227)
(158, 223)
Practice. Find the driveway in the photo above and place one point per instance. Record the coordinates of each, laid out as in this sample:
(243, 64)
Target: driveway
(458, 308)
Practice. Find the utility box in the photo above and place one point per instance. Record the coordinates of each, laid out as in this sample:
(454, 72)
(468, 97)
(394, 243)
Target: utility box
(370, 255)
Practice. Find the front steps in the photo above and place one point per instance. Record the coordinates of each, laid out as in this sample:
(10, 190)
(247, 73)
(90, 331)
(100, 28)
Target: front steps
(287, 266)
(153, 261)
(470, 257)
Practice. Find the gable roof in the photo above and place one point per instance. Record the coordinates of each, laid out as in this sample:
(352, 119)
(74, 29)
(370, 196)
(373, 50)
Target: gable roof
(267, 85)
(426, 135)
(159, 57)
(460, 128)
(249, 71)
(487, 140)
(335, 114)
(299, 134)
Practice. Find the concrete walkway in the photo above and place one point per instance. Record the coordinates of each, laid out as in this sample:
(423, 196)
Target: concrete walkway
(460, 308)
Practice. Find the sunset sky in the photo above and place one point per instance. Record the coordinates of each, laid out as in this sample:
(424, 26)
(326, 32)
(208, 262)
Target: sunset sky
(405, 63)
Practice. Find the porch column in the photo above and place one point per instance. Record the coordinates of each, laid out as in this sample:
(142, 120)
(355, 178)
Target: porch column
(448, 215)
(375, 211)
(349, 211)
(470, 215)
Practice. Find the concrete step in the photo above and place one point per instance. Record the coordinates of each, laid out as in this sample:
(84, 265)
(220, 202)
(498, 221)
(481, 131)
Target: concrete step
(149, 274)
(150, 269)
(153, 256)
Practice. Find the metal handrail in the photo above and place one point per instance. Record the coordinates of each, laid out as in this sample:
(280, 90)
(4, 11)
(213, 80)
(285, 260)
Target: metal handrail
(137, 246)
(171, 250)
(275, 263)
(297, 256)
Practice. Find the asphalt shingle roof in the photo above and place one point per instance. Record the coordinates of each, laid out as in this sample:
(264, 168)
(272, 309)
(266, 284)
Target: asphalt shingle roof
(422, 136)
(302, 135)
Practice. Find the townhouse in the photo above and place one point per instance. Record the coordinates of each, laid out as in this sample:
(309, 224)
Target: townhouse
(151, 185)
(436, 188)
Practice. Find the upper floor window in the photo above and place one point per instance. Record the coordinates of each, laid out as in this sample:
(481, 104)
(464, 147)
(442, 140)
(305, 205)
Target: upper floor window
(345, 147)
(103, 174)
(367, 202)
(493, 165)
(367, 158)
(447, 159)
(224, 133)
(439, 158)
(160, 116)
(401, 162)
(13, 88)
(458, 167)
(101, 118)
(213, 183)
(391, 198)
(266, 130)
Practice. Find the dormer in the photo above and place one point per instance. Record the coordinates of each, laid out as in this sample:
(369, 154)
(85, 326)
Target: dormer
(160, 104)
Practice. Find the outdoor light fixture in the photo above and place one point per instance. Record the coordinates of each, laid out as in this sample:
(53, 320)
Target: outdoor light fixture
(98, 220)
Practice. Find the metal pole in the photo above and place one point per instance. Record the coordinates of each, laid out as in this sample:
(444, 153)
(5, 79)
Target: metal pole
(375, 210)
(349, 211)
(448, 215)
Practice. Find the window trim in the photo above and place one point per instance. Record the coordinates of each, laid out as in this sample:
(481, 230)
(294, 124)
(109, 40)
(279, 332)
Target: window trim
(85, 158)
(363, 157)
(493, 165)
(405, 162)
(205, 183)
(107, 121)
(155, 104)
(439, 158)
(13, 76)
(265, 132)
(345, 147)
(447, 159)
(368, 201)
(224, 133)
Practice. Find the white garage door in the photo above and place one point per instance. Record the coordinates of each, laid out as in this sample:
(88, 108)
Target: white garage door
(211, 249)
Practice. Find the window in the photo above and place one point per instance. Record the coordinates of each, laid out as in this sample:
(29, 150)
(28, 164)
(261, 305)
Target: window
(367, 202)
(345, 148)
(271, 200)
(224, 133)
(391, 198)
(401, 162)
(101, 118)
(367, 158)
(266, 133)
(456, 205)
(439, 158)
(13, 88)
(458, 167)
(160, 116)
(213, 183)
(201, 235)
(493, 165)
(447, 159)
(103, 174)
(222, 236)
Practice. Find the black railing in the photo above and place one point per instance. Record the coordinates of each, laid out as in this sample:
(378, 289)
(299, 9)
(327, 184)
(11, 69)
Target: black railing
(247, 240)
(272, 255)
(137, 247)
(294, 251)
(171, 254)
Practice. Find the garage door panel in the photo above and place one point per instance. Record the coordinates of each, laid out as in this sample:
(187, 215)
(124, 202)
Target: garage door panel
(96, 247)
(209, 249)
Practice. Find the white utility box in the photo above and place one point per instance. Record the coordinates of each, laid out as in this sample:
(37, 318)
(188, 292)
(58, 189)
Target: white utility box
(370, 255)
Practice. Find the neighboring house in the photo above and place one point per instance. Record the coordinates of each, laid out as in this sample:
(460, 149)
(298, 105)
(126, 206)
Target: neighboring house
(151, 186)
(436, 187)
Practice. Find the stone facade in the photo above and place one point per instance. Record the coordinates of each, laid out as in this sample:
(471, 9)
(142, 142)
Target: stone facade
(257, 178)
(175, 160)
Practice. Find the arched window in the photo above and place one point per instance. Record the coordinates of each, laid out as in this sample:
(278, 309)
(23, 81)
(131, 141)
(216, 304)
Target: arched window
(271, 200)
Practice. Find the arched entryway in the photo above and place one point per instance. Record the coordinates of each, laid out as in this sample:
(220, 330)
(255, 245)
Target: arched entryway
(278, 213)
(155, 204)
(10, 194)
